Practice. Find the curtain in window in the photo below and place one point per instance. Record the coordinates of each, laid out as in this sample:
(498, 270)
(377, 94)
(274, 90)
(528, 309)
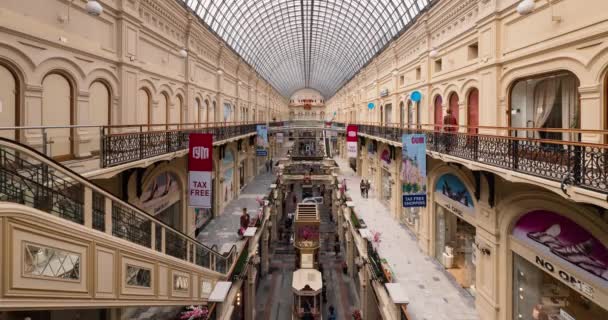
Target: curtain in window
(544, 101)
(570, 107)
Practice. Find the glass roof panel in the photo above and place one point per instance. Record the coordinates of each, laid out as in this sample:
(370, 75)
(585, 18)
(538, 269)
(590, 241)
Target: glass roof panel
(317, 44)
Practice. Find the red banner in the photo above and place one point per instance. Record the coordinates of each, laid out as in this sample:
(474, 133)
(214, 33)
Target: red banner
(200, 165)
(351, 141)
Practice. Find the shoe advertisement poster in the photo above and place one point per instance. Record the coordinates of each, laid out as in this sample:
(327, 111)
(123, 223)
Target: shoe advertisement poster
(200, 165)
(413, 170)
(565, 250)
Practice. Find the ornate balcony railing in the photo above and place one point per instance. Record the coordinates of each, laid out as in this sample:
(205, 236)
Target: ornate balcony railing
(29, 178)
(123, 144)
(566, 161)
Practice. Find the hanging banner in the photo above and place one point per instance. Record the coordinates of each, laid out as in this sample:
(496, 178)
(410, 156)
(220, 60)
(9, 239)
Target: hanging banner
(279, 137)
(351, 141)
(262, 137)
(200, 165)
(413, 170)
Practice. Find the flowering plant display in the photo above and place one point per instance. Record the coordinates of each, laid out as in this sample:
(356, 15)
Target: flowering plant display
(376, 239)
(195, 313)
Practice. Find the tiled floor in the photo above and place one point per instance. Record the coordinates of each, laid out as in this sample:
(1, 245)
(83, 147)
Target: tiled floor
(432, 292)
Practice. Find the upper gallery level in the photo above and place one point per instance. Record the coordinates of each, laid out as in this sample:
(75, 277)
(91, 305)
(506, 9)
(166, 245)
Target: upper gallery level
(137, 78)
(307, 104)
(490, 66)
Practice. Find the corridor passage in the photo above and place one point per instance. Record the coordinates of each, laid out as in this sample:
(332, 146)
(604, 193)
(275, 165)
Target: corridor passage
(432, 292)
(274, 297)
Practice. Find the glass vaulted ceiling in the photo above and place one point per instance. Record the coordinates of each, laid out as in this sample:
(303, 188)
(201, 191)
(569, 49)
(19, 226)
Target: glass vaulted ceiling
(317, 44)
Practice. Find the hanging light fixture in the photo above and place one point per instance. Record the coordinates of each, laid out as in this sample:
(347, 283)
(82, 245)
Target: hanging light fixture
(94, 8)
(183, 53)
(525, 7)
(434, 53)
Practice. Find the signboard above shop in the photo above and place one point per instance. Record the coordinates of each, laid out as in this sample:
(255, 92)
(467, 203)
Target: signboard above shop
(384, 93)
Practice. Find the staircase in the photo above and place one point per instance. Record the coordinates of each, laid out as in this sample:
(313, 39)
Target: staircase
(72, 243)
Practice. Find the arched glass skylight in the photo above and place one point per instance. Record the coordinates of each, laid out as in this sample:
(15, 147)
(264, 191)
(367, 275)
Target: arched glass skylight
(316, 44)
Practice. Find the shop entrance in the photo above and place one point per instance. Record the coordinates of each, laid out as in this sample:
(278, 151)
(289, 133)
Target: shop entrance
(454, 247)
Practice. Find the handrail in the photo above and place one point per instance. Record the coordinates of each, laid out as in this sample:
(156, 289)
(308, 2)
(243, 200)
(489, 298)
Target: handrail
(421, 126)
(38, 181)
(76, 126)
(574, 163)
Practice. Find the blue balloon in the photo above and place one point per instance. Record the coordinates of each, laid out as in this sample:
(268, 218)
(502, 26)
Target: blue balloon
(416, 96)
(371, 105)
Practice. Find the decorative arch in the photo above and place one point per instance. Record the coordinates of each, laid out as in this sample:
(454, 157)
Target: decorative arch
(148, 85)
(11, 115)
(60, 65)
(105, 76)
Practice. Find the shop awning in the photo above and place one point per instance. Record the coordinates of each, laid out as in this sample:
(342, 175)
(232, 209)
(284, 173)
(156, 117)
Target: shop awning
(396, 292)
(220, 291)
(307, 277)
(250, 232)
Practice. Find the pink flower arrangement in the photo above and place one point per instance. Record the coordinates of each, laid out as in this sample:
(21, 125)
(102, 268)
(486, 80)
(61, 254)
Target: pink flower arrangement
(376, 239)
(193, 313)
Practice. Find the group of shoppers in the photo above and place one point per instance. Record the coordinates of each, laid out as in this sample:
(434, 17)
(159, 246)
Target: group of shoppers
(365, 185)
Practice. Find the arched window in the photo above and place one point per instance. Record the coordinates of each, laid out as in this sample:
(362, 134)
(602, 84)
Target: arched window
(438, 112)
(546, 101)
(9, 98)
(401, 114)
(99, 106)
(144, 116)
(410, 112)
(454, 108)
(473, 110)
(160, 112)
(57, 110)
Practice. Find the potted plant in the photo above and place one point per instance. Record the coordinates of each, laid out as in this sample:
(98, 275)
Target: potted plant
(195, 313)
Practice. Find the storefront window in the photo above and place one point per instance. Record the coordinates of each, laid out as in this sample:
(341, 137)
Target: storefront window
(455, 231)
(540, 296)
(560, 270)
(386, 186)
(550, 101)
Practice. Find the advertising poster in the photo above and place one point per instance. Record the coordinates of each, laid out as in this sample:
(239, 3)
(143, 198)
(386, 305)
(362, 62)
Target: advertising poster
(451, 194)
(351, 141)
(160, 194)
(413, 170)
(280, 137)
(200, 164)
(262, 136)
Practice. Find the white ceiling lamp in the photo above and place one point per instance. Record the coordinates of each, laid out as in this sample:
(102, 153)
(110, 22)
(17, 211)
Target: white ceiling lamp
(525, 7)
(183, 53)
(434, 53)
(94, 8)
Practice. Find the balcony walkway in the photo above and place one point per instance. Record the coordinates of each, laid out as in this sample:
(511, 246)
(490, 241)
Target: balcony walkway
(432, 292)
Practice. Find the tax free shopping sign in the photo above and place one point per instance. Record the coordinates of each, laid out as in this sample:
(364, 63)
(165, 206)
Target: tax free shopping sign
(200, 165)
(351, 141)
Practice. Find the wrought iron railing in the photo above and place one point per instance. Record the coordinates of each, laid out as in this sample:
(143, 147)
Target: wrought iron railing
(566, 161)
(30, 178)
(123, 144)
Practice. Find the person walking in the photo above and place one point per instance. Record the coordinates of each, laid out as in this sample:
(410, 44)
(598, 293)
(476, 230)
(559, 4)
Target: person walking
(367, 187)
(332, 315)
(362, 187)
